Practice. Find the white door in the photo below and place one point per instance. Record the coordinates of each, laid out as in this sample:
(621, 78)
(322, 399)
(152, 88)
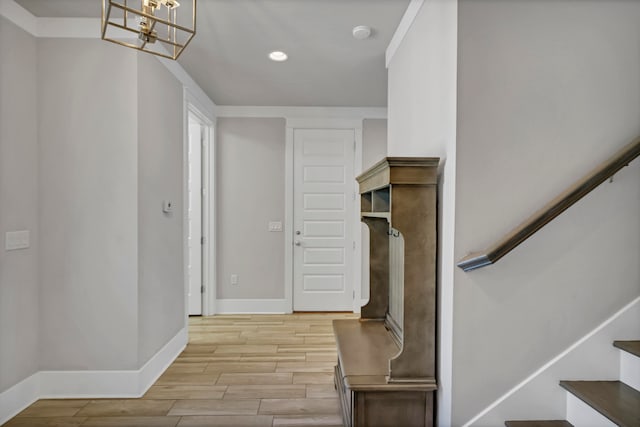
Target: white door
(323, 218)
(194, 266)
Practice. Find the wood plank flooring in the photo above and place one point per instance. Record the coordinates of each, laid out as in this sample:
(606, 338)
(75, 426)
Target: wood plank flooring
(237, 370)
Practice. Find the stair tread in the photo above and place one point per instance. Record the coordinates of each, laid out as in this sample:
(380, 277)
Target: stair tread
(613, 399)
(632, 347)
(539, 423)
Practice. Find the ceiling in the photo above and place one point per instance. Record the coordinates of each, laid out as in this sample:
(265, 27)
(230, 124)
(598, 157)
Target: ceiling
(326, 66)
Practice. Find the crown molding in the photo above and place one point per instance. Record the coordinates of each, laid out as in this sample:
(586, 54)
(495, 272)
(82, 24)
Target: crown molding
(301, 112)
(403, 28)
(19, 16)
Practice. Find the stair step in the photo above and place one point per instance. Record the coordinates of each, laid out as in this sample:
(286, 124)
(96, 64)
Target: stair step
(632, 347)
(613, 399)
(539, 423)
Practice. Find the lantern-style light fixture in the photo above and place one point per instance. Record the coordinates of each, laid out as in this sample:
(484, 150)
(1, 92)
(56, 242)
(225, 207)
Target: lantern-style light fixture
(160, 27)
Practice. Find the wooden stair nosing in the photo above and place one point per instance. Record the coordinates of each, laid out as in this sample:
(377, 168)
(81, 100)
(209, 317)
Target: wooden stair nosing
(632, 347)
(538, 423)
(614, 399)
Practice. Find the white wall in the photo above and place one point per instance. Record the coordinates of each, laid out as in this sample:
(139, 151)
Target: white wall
(87, 106)
(546, 90)
(594, 357)
(18, 205)
(422, 122)
(250, 193)
(160, 177)
(374, 141)
(374, 149)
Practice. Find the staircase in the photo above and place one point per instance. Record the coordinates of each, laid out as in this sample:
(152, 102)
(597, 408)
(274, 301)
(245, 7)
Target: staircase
(601, 403)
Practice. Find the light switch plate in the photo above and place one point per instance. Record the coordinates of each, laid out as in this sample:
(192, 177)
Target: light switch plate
(167, 206)
(275, 225)
(15, 240)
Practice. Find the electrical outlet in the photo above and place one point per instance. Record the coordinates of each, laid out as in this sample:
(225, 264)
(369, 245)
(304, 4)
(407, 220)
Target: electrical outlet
(234, 279)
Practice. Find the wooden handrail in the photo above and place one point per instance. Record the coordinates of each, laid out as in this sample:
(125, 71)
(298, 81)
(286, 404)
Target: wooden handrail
(552, 209)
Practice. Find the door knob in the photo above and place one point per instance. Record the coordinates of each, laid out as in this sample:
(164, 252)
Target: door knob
(298, 243)
(297, 232)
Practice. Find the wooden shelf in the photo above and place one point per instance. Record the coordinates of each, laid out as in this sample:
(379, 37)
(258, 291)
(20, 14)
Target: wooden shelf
(386, 215)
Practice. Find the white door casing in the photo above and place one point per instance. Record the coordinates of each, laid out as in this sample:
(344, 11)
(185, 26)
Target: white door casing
(323, 219)
(194, 217)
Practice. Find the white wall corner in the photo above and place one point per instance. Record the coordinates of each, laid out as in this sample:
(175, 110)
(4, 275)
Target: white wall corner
(252, 306)
(402, 30)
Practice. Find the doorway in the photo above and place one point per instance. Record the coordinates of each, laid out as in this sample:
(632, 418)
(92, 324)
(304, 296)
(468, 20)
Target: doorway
(323, 219)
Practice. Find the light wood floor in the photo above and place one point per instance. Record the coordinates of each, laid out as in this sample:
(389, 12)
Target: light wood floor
(241, 370)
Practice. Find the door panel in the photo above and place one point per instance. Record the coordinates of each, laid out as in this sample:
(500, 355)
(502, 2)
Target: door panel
(324, 186)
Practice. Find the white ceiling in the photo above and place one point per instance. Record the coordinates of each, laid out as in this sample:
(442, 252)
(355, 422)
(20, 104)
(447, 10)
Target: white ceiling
(326, 66)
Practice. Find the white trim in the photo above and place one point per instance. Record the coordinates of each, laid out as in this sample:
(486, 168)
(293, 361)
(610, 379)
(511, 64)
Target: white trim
(192, 105)
(103, 384)
(209, 223)
(19, 16)
(324, 123)
(552, 361)
(288, 219)
(402, 30)
(357, 231)
(17, 398)
(75, 28)
(197, 96)
(301, 112)
(90, 384)
(252, 306)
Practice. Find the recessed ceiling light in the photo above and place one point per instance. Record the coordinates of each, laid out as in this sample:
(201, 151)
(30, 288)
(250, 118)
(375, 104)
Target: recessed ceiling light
(278, 56)
(361, 32)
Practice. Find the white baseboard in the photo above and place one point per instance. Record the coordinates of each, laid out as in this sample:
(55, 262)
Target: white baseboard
(18, 397)
(90, 384)
(252, 306)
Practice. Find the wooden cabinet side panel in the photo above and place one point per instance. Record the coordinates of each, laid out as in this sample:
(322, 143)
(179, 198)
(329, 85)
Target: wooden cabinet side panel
(378, 303)
(414, 215)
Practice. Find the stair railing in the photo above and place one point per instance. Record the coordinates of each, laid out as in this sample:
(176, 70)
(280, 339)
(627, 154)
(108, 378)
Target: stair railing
(552, 209)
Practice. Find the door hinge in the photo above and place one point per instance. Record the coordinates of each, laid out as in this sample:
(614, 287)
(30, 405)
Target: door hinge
(354, 244)
(202, 289)
(354, 146)
(353, 293)
(202, 240)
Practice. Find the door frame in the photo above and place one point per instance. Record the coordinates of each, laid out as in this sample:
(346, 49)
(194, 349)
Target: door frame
(320, 123)
(192, 106)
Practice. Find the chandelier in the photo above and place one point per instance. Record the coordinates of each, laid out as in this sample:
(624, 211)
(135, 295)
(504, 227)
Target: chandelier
(152, 26)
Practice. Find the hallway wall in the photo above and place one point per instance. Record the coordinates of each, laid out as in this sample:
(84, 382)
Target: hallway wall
(19, 314)
(87, 108)
(160, 177)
